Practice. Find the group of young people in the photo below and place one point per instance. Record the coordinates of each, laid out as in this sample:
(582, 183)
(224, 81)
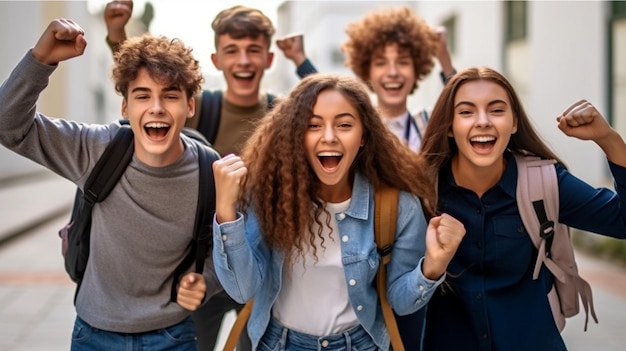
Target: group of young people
(293, 226)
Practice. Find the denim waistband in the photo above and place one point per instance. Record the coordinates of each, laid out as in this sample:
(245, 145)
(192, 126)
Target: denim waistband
(354, 337)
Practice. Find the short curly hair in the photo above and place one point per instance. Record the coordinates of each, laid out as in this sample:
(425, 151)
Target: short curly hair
(167, 60)
(243, 22)
(380, 28)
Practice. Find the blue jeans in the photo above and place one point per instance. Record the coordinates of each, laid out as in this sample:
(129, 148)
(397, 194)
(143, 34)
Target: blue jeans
(279, 338)
(179, 337)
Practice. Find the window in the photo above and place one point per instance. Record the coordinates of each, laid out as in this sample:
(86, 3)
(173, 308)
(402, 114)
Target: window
(515, 15)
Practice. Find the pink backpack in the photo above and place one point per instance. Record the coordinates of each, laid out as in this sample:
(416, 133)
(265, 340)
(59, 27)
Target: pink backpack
(538, 204)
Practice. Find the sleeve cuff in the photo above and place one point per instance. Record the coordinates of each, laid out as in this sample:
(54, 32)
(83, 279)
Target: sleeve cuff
(305, 68)
(445, 78)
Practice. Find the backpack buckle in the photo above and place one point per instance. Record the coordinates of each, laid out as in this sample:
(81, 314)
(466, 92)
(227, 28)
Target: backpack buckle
(384, 251)
(546, 229)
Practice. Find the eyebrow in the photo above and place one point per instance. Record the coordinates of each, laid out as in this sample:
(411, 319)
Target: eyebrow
(493, 102)
(343, 114)
(147, 90)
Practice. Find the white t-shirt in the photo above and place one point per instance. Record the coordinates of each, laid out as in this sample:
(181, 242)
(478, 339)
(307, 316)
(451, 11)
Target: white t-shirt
(314, 295)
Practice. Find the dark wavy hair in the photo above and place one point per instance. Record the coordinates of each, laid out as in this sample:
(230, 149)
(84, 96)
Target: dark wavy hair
(281, 185)
(380, 28)
(167, 60)
(438, 148)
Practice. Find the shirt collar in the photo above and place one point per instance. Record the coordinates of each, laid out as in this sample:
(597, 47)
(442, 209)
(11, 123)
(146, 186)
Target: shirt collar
(362, 192)
(508, 182)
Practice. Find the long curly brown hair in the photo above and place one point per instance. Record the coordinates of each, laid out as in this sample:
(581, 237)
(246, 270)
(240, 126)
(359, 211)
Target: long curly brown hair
(281, 186)
(380, 28)
(167, 60)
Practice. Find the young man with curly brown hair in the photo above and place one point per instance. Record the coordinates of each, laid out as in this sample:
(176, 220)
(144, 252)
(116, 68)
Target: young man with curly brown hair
(126, 288)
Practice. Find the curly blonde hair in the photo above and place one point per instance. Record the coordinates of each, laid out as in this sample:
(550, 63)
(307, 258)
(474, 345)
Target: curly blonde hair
(380, 28)
(167, 60)
(281, 186)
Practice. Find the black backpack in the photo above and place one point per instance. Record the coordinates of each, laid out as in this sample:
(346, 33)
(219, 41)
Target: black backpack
(103, 178)
(211, 113)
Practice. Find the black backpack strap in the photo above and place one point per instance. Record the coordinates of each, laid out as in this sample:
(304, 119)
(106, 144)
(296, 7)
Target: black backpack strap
(210, 114)
(546, 226)
(102, 179)
(201, 244)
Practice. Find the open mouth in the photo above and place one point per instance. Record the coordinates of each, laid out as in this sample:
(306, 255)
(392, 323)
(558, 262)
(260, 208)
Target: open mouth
(244, 75)
(483, 142)
(393, 86)
(157, 130)
(329, 160)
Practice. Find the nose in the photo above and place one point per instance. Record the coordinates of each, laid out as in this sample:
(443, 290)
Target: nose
(329, 136)
(482, 119)
(243, 58)
(156, 107)
(393, 70)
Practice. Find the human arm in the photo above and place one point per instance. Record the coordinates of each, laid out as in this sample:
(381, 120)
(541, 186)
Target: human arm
(62, 40)
(191, 290)
(583, 121)
(292, 47)
(239, 254)
(443, 237)
(116, 16)
(408, 288)
(443, 55)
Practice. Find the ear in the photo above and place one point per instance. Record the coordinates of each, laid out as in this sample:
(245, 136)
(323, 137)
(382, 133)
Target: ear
(514, 130)
(215, 62)
(191, 106)
(270, 59)
(124, 108)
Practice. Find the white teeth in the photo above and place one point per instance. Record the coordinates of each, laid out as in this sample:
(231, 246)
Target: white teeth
(392, 86)
(157, 125)
(244, 75)
(482, 139)
(329, 153)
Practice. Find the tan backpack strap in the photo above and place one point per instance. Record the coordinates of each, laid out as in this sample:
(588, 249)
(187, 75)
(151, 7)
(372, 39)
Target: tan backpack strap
(385, 217)
(240, 323)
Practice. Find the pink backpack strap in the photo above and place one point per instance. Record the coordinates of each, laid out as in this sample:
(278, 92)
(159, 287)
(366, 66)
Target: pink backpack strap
(537, 185)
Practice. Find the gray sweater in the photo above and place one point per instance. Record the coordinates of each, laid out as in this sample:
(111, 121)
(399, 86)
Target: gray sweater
(140, 233)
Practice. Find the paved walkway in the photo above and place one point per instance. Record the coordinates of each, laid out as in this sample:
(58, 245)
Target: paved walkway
(24, 205)
(36, 296)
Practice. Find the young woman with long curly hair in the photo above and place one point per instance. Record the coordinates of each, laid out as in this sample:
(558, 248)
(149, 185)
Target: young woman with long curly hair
(294, 222)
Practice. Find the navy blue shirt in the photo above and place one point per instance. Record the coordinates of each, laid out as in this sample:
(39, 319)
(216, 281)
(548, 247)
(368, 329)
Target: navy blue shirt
(489, 300)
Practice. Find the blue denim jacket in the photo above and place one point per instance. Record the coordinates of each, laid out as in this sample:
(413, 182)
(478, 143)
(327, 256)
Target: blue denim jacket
(248, 269)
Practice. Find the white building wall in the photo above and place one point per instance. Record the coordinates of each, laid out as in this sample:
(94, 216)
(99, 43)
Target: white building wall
(68, 94)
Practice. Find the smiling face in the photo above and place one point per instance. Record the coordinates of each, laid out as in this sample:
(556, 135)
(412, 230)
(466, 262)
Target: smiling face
(482, 126)
(392, 78)
(332, 141)
(157, 113)
(243, 62)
